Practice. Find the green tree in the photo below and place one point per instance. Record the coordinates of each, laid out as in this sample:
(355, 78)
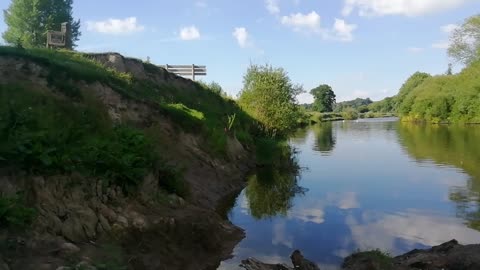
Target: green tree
(465, 41)
(29, 20)
(324, 98)
(270, 97)
(449, 70)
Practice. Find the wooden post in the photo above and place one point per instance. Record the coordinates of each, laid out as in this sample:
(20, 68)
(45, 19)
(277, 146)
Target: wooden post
(193, 72)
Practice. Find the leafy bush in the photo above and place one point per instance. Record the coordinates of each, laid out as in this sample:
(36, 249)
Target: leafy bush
(350, 114)
(41, 133)
(441, 99)
(269, 96)
(14, 212)
(124, 157)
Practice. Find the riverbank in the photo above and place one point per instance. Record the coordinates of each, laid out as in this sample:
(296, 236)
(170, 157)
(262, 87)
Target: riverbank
(449, 255)
(316, 117)
(107, 162)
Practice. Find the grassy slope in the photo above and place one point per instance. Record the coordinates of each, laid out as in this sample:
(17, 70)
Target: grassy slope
(46, 133)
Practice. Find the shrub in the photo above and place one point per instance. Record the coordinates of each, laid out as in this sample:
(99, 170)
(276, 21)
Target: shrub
(14, 212)
(350, 114)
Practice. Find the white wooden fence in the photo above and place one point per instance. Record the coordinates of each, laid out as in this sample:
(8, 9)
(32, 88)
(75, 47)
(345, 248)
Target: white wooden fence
(187, 70)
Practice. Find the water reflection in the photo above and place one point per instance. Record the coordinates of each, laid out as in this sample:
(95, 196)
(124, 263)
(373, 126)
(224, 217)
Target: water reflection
(375, 184)
(454, 146)
(270, 192)
(385, 231)
(324, 138)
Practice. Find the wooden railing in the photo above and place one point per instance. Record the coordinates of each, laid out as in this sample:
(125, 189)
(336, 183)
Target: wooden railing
(187, 70)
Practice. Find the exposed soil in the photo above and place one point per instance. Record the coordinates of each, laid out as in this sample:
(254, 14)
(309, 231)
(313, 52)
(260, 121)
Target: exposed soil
(84, 225)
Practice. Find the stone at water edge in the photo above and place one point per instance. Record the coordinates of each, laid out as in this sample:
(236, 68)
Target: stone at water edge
(298, 261)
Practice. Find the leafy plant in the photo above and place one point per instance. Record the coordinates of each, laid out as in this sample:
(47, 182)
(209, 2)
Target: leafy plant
(14, 212)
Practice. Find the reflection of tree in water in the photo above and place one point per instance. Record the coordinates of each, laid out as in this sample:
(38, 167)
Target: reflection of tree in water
(270, 192)
(324, 138)
(450, 145)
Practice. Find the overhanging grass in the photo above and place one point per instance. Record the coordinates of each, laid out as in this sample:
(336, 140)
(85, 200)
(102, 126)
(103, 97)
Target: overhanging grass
(185, 105)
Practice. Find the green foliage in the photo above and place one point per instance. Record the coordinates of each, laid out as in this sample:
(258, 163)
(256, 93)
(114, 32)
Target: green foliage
(123, 156)
(231, 121)
(386, 105)
(465, 41)
(185, 105)
(444, 99)
(269, 96)
(45, 134)
(14, 213)
(350, 114)
(28, 22)
(359, 104)
(413, 82)
(324, 98)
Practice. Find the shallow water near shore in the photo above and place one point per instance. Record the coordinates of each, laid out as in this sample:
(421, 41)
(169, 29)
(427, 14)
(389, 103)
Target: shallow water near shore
(366, 184)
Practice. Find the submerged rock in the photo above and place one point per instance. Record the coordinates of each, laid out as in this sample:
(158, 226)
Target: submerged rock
(298, 261)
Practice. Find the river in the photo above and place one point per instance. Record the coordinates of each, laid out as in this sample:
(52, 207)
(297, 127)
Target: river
(364, 184)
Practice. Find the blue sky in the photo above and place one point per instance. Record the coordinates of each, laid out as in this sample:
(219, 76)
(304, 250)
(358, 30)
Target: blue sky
(362, 48)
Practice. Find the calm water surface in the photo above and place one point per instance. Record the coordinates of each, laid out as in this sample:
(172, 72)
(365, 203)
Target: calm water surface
(367, 184)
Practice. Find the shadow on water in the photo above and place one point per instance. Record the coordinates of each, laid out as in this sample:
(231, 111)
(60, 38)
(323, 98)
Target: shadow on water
(457, 146)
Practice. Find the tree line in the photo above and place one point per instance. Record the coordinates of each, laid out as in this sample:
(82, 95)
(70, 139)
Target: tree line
(446, 98)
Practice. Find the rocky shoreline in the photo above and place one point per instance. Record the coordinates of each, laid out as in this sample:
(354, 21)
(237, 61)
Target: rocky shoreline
(447, 256)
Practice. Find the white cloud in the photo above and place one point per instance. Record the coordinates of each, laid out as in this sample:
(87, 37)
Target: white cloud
(344, 201)
(449, 28)
(441, 45)
(311, 24)
(415, 49)
(399, 7)
(343, 31)
(115, 26)
(303, 22)
(272, 6)
(189, 33)
(242, 37)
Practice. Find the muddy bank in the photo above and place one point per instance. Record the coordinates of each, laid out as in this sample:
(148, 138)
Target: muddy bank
(448, 256)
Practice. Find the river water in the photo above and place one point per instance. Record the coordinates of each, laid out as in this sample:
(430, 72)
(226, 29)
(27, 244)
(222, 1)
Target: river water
(365, 184)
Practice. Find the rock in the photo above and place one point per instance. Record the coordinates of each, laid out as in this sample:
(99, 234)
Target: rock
(139, 223)
(108, 213)
(3, 265)
(72, 230)
(80, 225)
(122, 221)
(64, 268)
(104, 223)
(85, 266)
(450, 255)
(69, 249)
(300, 263)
